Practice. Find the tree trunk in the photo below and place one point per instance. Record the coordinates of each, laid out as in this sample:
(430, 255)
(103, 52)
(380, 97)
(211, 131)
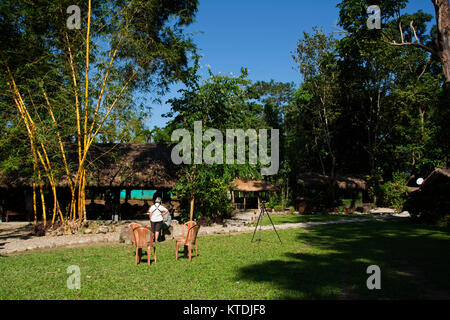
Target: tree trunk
(442, 9)
(191, 212)
(422, 124)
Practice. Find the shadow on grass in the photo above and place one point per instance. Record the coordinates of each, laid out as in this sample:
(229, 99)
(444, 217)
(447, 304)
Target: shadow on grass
(333, 260)
(19, 232)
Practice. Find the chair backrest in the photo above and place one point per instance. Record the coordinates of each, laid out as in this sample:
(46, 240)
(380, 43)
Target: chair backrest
(131, 228)
(142, 241)
(192, 234)
(188, 225)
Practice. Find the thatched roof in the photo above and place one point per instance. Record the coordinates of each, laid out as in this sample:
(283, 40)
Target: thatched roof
(312, 179)
(254, 186)
(125, 165)
(438, 176)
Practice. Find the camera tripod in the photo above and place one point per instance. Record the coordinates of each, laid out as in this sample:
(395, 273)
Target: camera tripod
(260, 218)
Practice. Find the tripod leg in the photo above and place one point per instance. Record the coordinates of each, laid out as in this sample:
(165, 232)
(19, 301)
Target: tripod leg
(256, 227)
(274, 227)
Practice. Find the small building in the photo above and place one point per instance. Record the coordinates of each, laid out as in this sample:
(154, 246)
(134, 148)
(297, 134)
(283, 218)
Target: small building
(349, 189)
(250, 190)
(112, 169)
(430, 201)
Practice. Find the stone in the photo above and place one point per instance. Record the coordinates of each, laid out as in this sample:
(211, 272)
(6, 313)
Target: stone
(87, 231)
(125, 235)
(93, 225)
(103, 229)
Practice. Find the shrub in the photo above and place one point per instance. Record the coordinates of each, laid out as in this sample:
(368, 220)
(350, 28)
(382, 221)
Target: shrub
(278, 208)
(446, 221)
(393, 193)
(211, 199)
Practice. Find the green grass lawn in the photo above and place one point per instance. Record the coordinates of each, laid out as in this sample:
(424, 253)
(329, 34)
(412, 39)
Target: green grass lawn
(323, 262)
(303, 218)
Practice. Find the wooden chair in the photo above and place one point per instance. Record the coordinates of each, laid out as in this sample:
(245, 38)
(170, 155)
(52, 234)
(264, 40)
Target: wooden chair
(189, 241)
(131, 228)
(185, 229)
(143, 241)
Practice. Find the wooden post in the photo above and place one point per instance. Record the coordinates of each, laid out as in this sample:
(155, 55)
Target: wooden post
(191, 214)
(244, 202)
(259, 203)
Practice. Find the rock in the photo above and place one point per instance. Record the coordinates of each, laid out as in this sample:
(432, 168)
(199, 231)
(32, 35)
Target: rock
(87, 231)
(382, 211)
(93, 225)
(125, 235)
(168, 233)
(103, 229)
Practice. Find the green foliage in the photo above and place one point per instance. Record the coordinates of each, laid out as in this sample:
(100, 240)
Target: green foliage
(221, 102)
(278, 208)
(209, 190)
(152, 53)
(392, 193)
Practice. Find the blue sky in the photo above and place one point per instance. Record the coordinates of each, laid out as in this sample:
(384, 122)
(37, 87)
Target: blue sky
(259, 35)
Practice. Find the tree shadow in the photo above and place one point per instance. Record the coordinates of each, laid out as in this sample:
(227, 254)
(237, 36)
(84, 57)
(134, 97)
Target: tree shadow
(412, 259)
(21, 233)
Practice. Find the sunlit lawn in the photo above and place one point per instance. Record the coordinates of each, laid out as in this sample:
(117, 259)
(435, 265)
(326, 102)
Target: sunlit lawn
(324, 262)
(303, 218)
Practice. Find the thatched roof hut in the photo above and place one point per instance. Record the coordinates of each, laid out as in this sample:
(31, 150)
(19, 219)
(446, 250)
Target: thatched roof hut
(438, 176)
(343, 182)
(431, 202)
(254, 186)
(120, 165)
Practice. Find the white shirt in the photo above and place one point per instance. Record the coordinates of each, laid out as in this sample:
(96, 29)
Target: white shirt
(157, 211)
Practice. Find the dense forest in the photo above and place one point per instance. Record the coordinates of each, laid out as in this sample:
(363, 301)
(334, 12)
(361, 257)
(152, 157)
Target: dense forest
(372, 102)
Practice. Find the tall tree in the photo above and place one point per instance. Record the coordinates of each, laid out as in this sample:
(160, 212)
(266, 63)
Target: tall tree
(89, 74)
(220, 103)
(316, 57)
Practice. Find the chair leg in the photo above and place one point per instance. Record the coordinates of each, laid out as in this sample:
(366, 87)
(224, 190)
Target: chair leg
(137, 254)
(154, 251)
(196, 250)
(190, 252)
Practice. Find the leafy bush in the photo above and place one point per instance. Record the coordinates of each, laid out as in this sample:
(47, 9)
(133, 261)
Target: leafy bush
(393, 193)
(446, 221)
(211, 196)
(278, 208)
